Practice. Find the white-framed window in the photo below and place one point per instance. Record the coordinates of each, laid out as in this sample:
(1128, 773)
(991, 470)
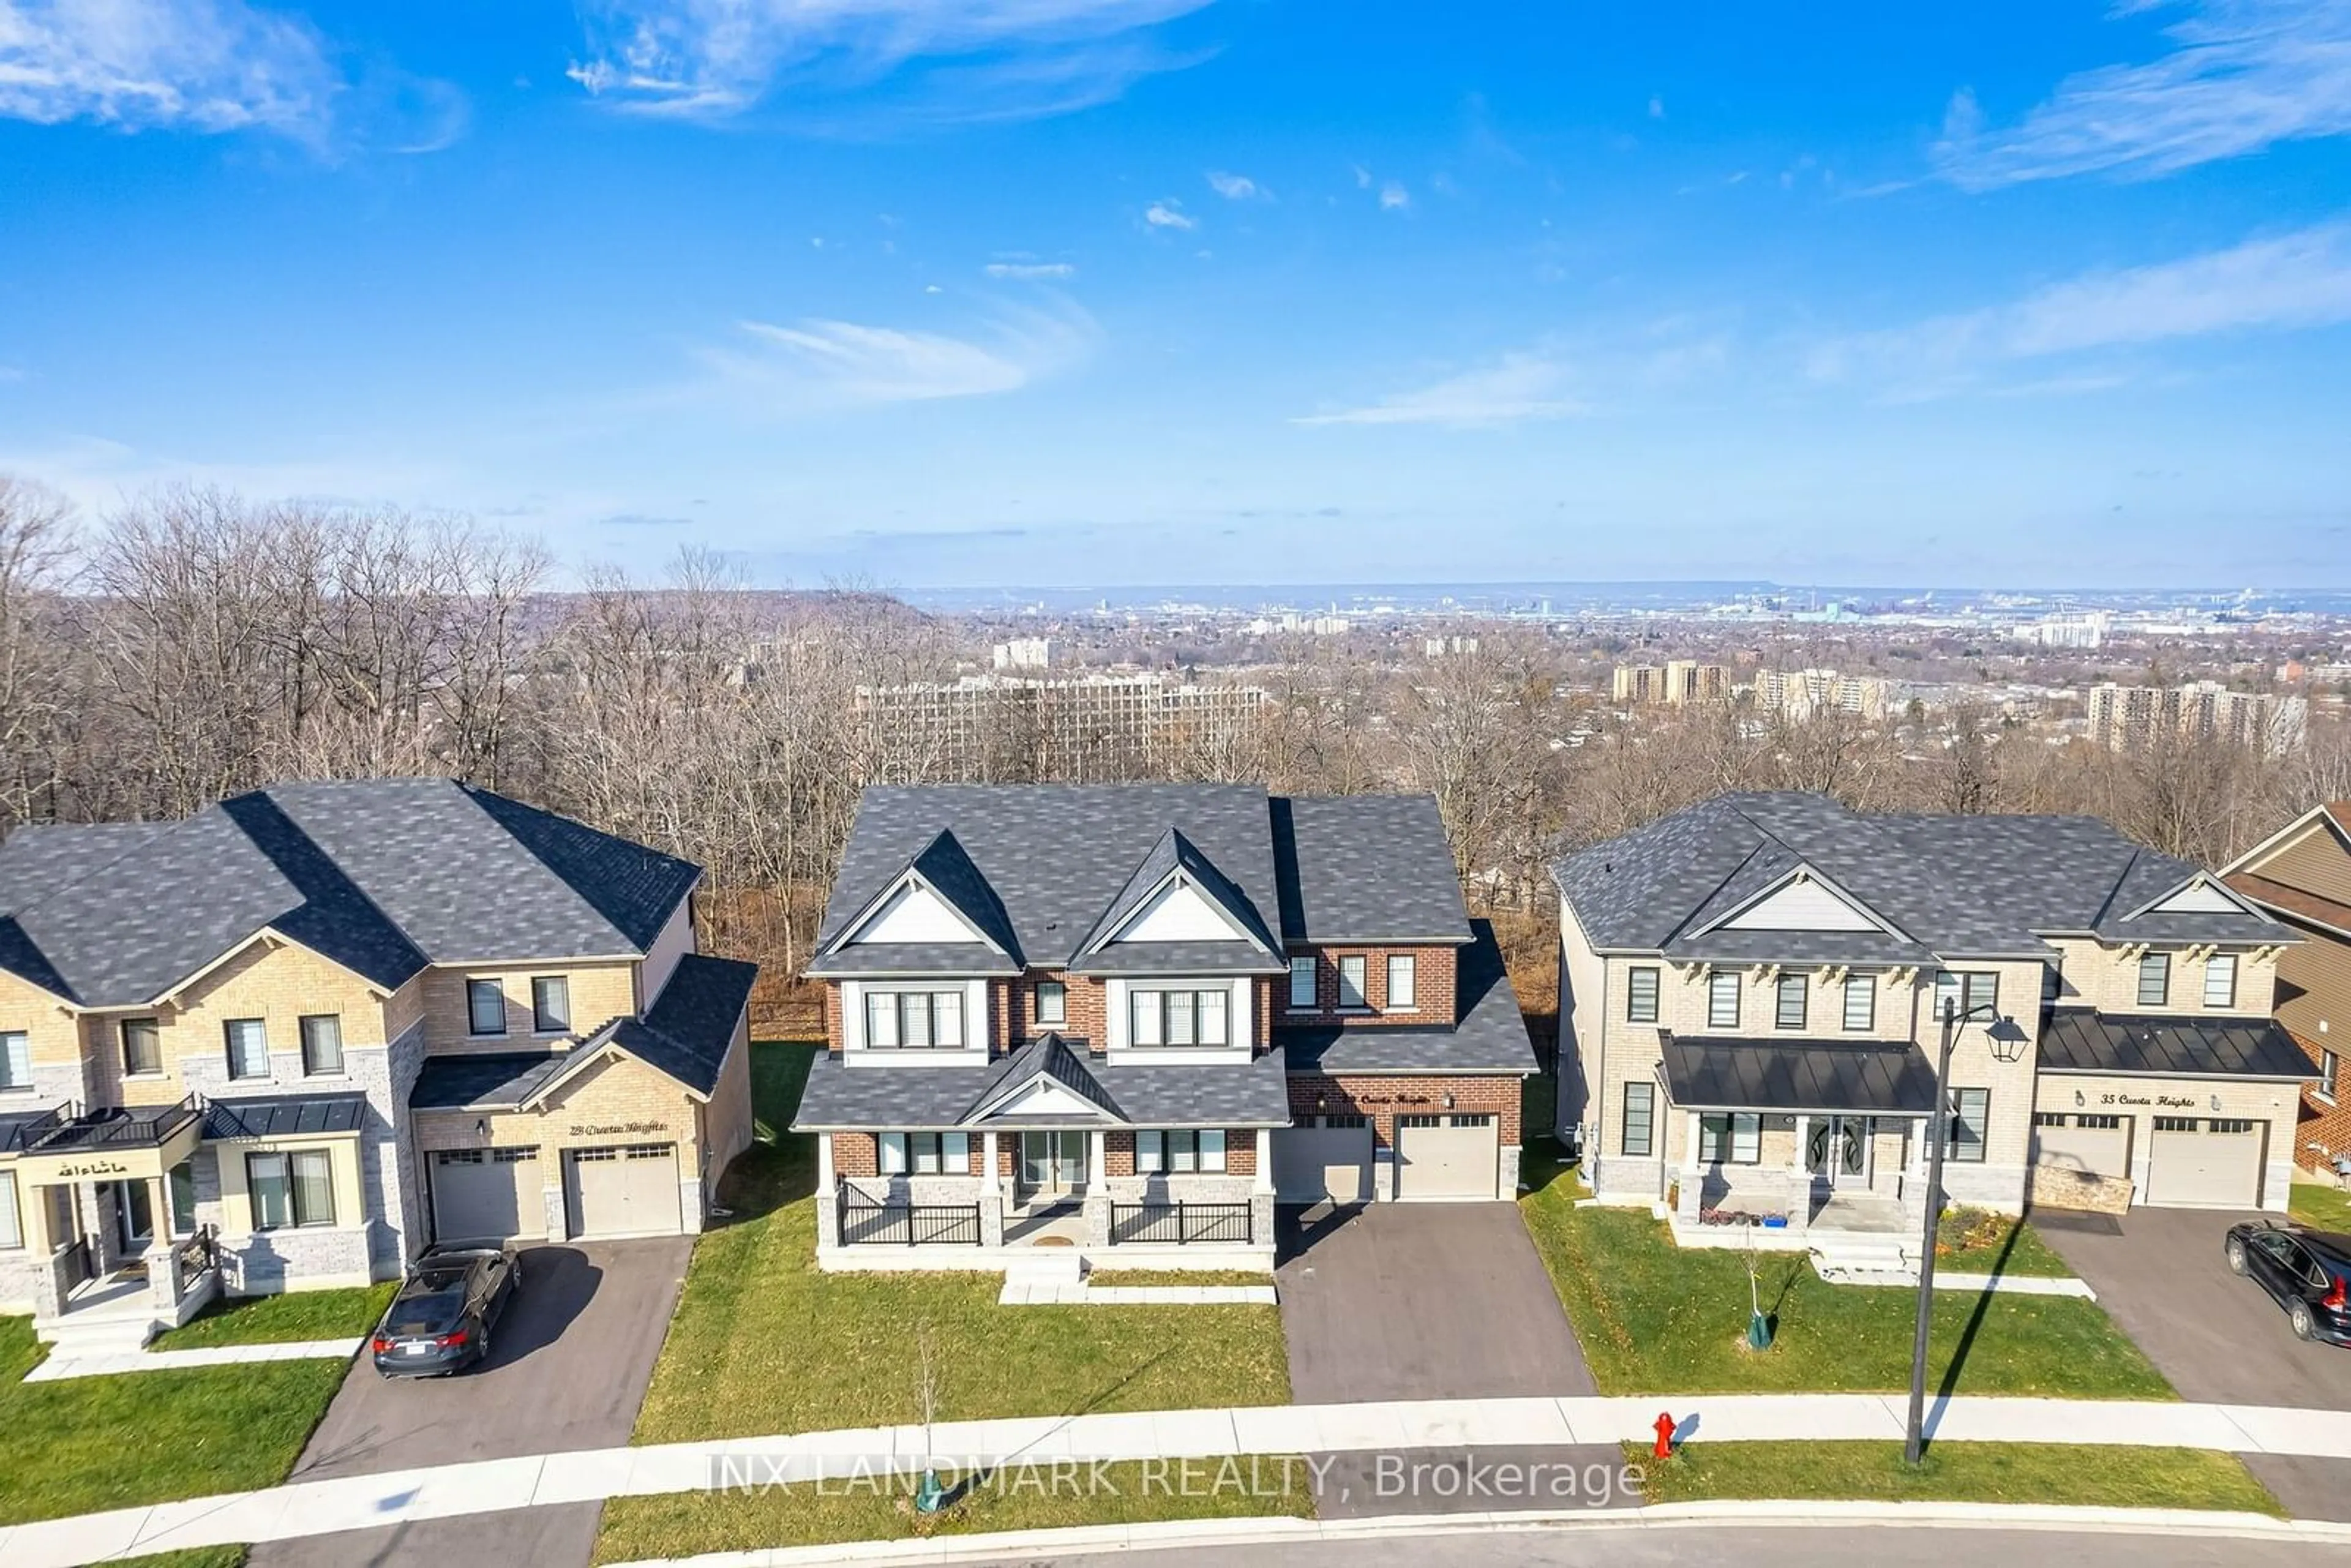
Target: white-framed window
(322, 1044)
(15, 1060)
(1641, 996)
(1860, 1003)
(1966, 991)
(914, 1021)
(1303, 997)
(2220, 980)
(290, 1190)
(1403, 981)
(1638, 1137)
(2154, 980)
(1971, 1109)
(1790, 1004)
(1730, 1138)
(1178, 1151)
(1355, 977)
(142, 1047)
(2328, 1063)
(12, 1219)
(1053, 1002)
(248, 1048)
(924, 1154)
(1178, 1017)
(551, 1003)
(485, 1007)
(1722, 1000)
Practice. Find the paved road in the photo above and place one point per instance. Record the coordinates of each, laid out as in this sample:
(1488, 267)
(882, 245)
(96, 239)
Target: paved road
(2219, 1339)
(568, 1370)
(1402, 1300)
(1750, 1546)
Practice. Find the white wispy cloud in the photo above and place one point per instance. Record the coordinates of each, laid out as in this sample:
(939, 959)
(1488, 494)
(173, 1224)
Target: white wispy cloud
(195, 65)
(938, 60)
(1169, 214)
(1235, 187)
(1030, 271)
(1518, 387)
(2241, 75)
(2294, 281)
(812, 365)
(1393, 197)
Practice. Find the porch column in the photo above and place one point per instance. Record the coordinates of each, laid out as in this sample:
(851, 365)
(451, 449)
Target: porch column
(991, 1193)
(1264, 1186)
(162, 1267)
(1097, 1201)
(1800, 1178)
(1693, 1197)
(828, 1202)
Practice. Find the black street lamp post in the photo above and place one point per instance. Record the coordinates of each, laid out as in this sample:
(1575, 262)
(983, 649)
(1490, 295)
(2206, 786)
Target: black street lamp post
(1937, 1135)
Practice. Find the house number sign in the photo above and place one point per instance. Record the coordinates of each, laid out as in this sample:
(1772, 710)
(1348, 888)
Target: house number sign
(94, 1168)
(616, 1129)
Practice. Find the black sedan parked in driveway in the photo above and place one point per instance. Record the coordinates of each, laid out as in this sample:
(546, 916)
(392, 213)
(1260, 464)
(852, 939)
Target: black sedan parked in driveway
(440, 1320)
(2308, 1272)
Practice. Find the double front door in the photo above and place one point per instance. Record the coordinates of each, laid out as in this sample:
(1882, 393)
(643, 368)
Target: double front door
(1837, 1148)
(1052, 1165)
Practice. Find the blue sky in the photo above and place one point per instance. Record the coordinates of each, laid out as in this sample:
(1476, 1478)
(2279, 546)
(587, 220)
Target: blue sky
(963, 292)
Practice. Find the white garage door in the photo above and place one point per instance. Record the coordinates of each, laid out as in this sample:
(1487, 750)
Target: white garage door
(2085, 1146)
(1324, 1159)
(626, 1191)
(486, 1195)
(2205, 1164)
(1447, 1157)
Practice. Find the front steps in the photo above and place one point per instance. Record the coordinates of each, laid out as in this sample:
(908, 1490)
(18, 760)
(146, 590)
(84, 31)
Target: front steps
(1864, 1257)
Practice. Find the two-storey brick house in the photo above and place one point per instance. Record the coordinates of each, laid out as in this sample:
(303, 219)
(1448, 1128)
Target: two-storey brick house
(313, 1028)
(1134, 1018)
(2301, 875)
(1751, 992)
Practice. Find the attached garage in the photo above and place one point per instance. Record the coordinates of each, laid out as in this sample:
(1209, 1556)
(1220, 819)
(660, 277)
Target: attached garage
(486, 1195)
(1449, 1157)
(630, 1190)
(2086, 1145)
(1324, 1159)
(2206, 1161)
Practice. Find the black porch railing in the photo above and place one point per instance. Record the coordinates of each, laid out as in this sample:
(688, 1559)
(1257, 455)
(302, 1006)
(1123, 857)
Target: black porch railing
(117, 1126)
(867, 1221)
(1228, 1224)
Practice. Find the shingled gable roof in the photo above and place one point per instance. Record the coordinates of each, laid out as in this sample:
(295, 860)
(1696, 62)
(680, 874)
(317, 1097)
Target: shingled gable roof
(944, 867)
(381, 875)
(686, 1034)
(1175, 857)
(1047, 1058)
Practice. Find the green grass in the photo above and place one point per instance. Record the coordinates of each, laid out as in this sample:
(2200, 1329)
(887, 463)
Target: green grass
(1108, 1278)
(763, 1343)
(684, 1524)
(2322, 1206)
(1981, 1242)
(194, 1557)
(93, 1443)
(2070, 1474)
(1654, 1318)
(282, 1319)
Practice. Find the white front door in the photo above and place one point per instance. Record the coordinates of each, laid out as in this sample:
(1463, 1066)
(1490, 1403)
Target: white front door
(1838, 1148)
(1052, 1164)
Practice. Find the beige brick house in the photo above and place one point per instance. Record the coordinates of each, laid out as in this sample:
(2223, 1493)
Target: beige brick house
(1126, 1022)
(1751, 994)
(289, 1041)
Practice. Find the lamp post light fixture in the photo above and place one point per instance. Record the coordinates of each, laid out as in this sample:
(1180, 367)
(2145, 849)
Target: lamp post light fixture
(2008, 1049)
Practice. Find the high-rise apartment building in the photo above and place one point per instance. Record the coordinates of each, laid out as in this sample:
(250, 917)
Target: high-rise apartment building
(2130, 719)
(1071, 729)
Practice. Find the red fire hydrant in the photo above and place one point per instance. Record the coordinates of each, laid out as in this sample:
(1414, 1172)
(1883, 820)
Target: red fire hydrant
(1664, 1435)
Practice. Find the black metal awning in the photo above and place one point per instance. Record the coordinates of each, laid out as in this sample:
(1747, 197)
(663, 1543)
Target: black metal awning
(2078, 1040)
(1885, 1078)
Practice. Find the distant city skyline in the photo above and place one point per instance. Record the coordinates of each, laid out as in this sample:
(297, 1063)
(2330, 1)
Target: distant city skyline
(947, 294)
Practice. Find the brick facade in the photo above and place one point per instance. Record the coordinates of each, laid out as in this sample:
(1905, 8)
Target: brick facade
(1433, 987)
(1241, 1153)
(1382, 1099)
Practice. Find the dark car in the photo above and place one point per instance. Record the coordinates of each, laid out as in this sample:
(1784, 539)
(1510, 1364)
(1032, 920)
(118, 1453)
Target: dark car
(2307, 1272)
(440, 1320)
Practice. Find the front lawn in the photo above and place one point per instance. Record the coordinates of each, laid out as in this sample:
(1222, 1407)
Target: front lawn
(1654, 1318)
(690, 1523)
(1984, 1242)
(2072, 1474)
(92, 1443)
(2322, 1206)
(763, 1343)
(295, 1316)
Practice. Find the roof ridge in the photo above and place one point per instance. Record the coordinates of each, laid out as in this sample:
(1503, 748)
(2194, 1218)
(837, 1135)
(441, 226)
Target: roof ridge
(326, 856)
(83, 873)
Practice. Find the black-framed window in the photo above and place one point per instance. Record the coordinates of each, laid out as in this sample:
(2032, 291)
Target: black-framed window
(923, 1154)
(1860, 1003)
(1789, 1008)
(1641, 996)
(1178, 1151)
(485, 1006)
(1354, 980)
(143, 1046)
(1639, 1138)
(2154, 980)
(290, 1190)
(914, 1021)
(1967, 989)
(1722, 1000)
(1730, 1138)
(248, 1048)
(322, 1043)
(1053, 1002)
(2327, 1065)
(551, 1003)
(1157, 1016)
(1970, 1109)
(1302, 985)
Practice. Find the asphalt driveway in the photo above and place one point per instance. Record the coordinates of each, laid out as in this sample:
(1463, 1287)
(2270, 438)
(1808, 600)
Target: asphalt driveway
(568, 1369)
(2218, 1338)
(1432, 1300)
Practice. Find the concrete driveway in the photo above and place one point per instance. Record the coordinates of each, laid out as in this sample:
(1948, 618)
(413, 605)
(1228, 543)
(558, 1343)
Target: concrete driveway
(2218, 1338)
(568, 1369)
(1431, 1301)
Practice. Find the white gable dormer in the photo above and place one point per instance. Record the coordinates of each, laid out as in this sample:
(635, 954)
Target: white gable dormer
(1180, 912)
(914, 912)
(1044, 1097)
(2200, 896)
(1802, 904)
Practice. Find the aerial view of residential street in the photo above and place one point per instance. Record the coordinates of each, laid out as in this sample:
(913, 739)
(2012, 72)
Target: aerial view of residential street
(1053, 783)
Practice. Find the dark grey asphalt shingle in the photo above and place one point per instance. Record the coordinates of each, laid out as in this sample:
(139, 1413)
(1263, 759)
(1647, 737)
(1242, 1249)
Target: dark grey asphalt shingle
(2078, 1040)
(690, 1027)
(499, 1081)
(1172, 853)
(1366, 868)
(1720, 1074)
(1728, 947)
(901, 1098)
(1488, 1034)
(1183, 958)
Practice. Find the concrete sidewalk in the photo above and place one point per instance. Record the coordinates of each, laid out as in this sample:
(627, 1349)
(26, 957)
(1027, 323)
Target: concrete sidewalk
(489, 1486)
(56, 1368)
